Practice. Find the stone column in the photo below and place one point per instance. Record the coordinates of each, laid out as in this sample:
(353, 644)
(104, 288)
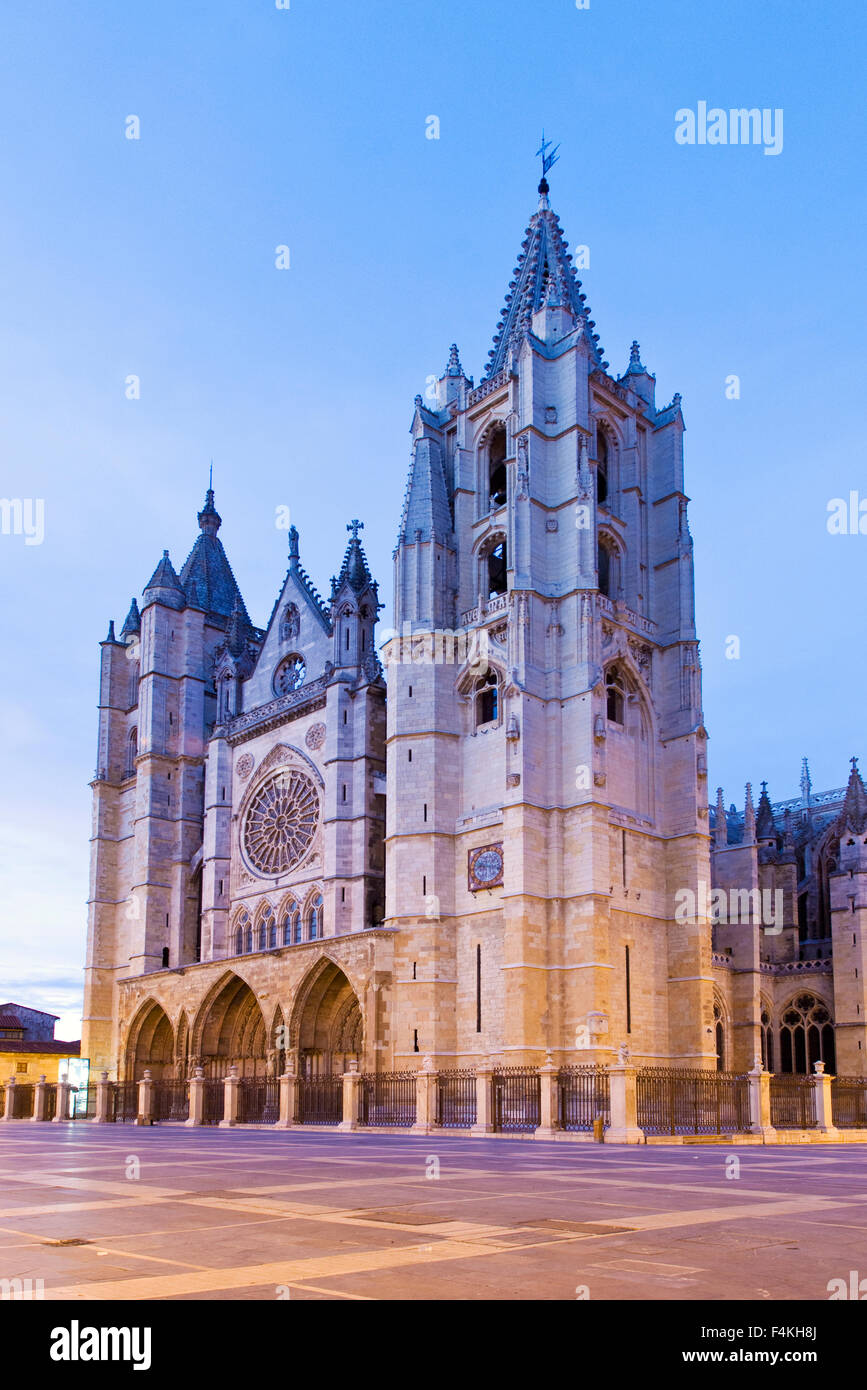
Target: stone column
(823, 1112)
(760, 1102)
(9, 1099)
(145, 1114)
(425, 1098)
(624, 1109)
(61, 1110)
(39, 1100)
(351, 1098)
(288, 1100)
(103, 1099)
(230, 1098)
(549, 1109)
(197, 1098)
(484, 1100)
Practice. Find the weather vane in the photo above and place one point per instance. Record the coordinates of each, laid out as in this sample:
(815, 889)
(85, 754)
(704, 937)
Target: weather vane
(548, 160)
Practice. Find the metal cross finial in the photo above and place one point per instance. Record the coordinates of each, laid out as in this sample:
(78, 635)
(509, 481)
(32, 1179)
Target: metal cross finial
(548, 160)
(355, 527)
(854, 762)
(211, 476)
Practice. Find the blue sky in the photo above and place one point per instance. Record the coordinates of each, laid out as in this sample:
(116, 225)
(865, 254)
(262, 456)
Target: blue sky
(306, 127)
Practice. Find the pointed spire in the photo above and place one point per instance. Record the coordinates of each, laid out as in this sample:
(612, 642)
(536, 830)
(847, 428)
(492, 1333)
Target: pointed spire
(544, 258)
(111, 637)
(238, 629)
(720, 828)
(806, 783)
(636, 367)
(749, 817)
(454, 367)
(765, 827)
(164, 586)
(132, 621)
(853, 817)
(209, 518)
(426, 505)
(354, 570)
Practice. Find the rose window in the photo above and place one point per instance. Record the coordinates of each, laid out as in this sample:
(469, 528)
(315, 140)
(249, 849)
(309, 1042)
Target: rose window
(281, 822)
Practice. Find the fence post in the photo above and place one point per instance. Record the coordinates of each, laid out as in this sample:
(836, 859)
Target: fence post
(484, 1099)
(624, 1106)
(39, 1100)
(197, 1098)
(351, 1098)
(548, 1093)
(288, 1098)
(103, 1091)
(231, 1084)
(760, 1102)
(823, 1112)
(145, 1106)
(61, 1111)
(425, 1098)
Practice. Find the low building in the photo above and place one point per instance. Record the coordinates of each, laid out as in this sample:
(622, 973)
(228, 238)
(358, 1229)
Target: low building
(28, 1047)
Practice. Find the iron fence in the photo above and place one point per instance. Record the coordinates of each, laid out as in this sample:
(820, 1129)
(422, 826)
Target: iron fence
(122, 1101)
(213, 1101)
(22, 1105)
(81, 1103)
(670, 1100)
(456, 1098)
(517, 1096)
(258, 1100)
(388, 1098)
(50, 1102)
(171, 1100)
(792, 1102)
(319, 1100)
(849, 1102)
(583, 1093)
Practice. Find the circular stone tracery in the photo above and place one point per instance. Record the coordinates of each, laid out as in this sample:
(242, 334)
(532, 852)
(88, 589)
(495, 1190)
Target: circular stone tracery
(281, 822)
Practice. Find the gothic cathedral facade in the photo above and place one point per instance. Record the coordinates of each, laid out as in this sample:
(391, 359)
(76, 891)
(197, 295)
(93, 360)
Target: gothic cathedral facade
(314, 844)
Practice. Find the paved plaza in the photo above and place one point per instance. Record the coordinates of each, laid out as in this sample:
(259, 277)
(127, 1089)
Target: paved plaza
(119, 1212)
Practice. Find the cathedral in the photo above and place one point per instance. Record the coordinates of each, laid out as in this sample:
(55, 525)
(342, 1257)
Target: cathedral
(471, 837)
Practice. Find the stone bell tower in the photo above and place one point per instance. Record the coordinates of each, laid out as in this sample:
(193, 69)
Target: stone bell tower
(546, 753)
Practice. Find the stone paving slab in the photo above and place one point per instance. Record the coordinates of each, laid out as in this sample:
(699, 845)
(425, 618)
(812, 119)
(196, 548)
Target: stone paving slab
(259, 1215)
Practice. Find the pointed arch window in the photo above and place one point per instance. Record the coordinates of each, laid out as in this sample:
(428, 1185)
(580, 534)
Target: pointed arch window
(494, 577)
(719, 1036)
(487, 699)
(497, 468)
(132, 753)
(605, 568)
(806, 1036)
(615, 696)
(243, 932)
(291, 925)
(314, 919)
(767, 1041)
(601, 468)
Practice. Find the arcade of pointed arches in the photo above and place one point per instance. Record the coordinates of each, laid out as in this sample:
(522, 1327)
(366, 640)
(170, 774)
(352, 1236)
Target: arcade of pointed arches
(323, 1034)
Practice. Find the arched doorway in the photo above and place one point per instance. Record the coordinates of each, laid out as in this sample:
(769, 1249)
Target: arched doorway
(150, 1044)
(327, 1030)
(230, 1030)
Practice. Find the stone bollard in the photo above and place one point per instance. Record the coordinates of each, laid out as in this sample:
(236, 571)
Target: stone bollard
(484, 1100)
(64, 1093)
(145, 1114)
(351, 1099)
(39, 1099)
(624, 1106)
(425, 1098)
(103, 1099)
(288, 1100)
(549, 1110)
(231, 1083)
(760, 1102)
(197, 1098)
(823, 1112)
